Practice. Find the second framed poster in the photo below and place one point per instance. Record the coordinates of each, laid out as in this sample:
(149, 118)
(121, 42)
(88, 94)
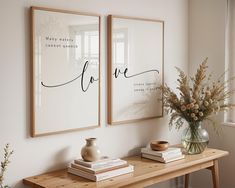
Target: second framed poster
(135, 69)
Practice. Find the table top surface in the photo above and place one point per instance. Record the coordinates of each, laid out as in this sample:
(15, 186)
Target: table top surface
(143, 168)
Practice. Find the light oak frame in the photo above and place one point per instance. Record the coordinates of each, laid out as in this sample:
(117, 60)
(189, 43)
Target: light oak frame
(32, 73)
(109, 69)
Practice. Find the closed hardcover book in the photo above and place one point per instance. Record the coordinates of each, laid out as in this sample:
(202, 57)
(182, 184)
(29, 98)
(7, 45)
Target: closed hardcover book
(160, 159)
(97, 164)
(101, 169)
(165, 158)
(101, 176)
(169, 151)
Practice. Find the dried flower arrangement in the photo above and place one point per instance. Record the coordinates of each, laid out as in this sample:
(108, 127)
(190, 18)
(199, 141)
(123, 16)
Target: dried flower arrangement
(4, 164)
(199, 97)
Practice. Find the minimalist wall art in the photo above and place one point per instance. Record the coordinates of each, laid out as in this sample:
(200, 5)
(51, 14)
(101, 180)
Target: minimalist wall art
(135, 69)
(65, 70)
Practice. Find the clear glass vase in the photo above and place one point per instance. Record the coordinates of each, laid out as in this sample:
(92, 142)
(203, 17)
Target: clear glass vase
(194, 138)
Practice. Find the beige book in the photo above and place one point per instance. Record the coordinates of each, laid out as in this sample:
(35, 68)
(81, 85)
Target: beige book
(160, 159)
(99, 170)
(101, 176)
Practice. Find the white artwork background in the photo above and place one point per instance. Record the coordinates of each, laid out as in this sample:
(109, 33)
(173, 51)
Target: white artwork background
(62, 44)
(138, 46)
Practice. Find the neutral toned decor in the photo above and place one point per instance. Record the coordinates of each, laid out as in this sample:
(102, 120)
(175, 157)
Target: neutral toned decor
(146, 173)
(159, 145)
(135, 68)
(4, 164)
(194, 138)
(167, 156)
(100, 170)
(90, 152)
(65, 70)
(199, 97)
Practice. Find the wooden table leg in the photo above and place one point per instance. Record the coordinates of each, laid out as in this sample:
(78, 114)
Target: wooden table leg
(215, 174)
(186, 180)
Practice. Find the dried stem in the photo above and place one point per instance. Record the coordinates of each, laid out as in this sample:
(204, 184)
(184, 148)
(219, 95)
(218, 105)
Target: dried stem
(199, 96)
(4, 164)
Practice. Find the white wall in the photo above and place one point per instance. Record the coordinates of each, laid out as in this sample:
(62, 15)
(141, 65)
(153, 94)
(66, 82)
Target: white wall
(36, 155)
(207, 39)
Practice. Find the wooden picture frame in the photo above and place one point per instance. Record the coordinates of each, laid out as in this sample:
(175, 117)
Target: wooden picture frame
(65, 56)
(135, 69)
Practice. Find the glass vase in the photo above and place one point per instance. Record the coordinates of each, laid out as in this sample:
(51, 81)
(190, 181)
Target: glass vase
(194, 138)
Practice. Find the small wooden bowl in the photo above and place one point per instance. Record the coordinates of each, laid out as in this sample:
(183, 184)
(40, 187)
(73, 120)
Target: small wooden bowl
(159, 145)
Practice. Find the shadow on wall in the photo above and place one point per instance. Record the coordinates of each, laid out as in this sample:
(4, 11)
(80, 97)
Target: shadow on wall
(134, 151)
(57, 162)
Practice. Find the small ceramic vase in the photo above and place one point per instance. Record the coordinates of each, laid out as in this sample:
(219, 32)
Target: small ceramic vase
(90, 152)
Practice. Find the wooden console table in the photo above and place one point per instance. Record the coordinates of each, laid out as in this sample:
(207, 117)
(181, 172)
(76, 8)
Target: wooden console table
(146, 172)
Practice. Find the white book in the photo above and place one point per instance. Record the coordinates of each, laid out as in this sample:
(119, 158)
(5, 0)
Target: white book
(156, 158)
(101, 176)
(101, 169)
(167, 157)
(169, 151)
(100, 164)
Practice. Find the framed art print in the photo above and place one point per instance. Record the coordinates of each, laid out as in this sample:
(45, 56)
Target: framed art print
(65, 53)
(135, 69)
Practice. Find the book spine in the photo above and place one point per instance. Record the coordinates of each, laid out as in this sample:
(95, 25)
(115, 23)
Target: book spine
(111, 168)
(160, 154)
(152, 157)
(101, 176)
(80, 167)
(167, 157)
(97, 164)
(115, 173)
(109, 165)
(78, 173)
(114, 166)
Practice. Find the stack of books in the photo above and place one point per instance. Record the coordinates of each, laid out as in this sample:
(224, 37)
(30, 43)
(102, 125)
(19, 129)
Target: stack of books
(100, 170)
(169, 155)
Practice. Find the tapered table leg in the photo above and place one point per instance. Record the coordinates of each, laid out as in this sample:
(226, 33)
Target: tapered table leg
(186, 180)
(215, 174)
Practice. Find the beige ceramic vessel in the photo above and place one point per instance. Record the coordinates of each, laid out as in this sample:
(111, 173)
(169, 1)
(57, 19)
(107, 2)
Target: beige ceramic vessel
(90, 152)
